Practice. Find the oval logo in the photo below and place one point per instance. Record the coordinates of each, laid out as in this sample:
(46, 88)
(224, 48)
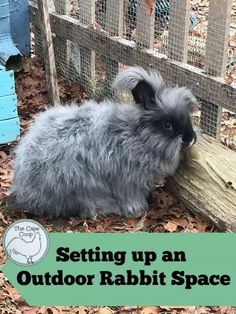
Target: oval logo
(25, 242)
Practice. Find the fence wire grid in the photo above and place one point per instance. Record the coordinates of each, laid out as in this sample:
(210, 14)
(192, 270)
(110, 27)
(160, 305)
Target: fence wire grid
(199, 34)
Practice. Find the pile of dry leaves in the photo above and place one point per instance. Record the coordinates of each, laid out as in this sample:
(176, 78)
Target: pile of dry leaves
(166, 214)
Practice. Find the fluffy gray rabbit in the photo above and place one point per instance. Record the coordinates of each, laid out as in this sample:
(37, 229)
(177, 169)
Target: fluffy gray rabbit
(101, 159)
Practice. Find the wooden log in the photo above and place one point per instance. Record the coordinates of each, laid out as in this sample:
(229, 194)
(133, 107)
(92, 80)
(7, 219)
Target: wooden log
(48, 52)
(206, 182)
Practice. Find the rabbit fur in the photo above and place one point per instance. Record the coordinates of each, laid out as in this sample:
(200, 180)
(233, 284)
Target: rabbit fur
(101, 159)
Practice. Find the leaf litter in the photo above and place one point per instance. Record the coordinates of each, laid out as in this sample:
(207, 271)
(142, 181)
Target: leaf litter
(166, 214)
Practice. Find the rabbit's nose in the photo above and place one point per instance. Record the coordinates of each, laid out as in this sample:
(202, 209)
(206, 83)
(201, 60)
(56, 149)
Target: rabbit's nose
(188, 143)
(185, 144)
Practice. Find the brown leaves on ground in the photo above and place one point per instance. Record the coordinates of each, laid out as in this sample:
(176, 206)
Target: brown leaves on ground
(166, 214)
(32, 93)
(150, 310)
(10, 299)
(5, 174)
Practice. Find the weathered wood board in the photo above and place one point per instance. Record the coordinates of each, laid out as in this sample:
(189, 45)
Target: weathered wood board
(48, 52)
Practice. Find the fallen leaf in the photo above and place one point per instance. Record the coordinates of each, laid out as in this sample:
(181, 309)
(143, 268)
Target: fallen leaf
(105, 310)
(74, 222)
(170, 226)
(3, 218)
(140, 223)
(150, 310)
(85, 227)
(12, 293)
(185, 309)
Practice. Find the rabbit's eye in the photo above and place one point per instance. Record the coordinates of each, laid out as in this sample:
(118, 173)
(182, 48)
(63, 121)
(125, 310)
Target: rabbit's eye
(167, 125)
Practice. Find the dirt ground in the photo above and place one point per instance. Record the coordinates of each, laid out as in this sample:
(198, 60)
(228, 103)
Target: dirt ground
(166, 214)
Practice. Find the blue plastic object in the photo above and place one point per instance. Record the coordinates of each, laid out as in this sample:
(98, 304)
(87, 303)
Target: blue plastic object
(9, 120)
(20, 26)
(10, 56)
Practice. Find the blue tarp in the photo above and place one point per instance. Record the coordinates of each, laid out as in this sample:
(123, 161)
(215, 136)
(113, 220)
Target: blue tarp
(19, 18)
(14, 33)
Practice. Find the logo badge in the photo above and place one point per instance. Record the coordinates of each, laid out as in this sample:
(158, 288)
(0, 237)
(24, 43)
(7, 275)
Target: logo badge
(25, 242)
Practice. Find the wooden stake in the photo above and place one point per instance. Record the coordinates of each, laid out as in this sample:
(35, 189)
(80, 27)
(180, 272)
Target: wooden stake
(145, 24)
(62, 47)
(48, 52)
(178, 30)
(114, 17)
(87, 56)
(217, 36)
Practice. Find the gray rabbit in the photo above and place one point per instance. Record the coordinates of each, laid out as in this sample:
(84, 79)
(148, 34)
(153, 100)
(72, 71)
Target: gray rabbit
(101, 159)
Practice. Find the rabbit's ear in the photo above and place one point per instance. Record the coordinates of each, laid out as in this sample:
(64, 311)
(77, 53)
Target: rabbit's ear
(143, 93)
(143, 84)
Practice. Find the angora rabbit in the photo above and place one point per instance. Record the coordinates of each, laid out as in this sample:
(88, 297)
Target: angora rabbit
(101, 159)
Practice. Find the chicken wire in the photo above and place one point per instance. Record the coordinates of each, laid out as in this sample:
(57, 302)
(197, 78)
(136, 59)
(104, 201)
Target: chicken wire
(131, 24)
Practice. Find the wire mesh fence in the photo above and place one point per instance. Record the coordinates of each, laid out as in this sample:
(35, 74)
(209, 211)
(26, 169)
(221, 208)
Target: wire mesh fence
(191, 42)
